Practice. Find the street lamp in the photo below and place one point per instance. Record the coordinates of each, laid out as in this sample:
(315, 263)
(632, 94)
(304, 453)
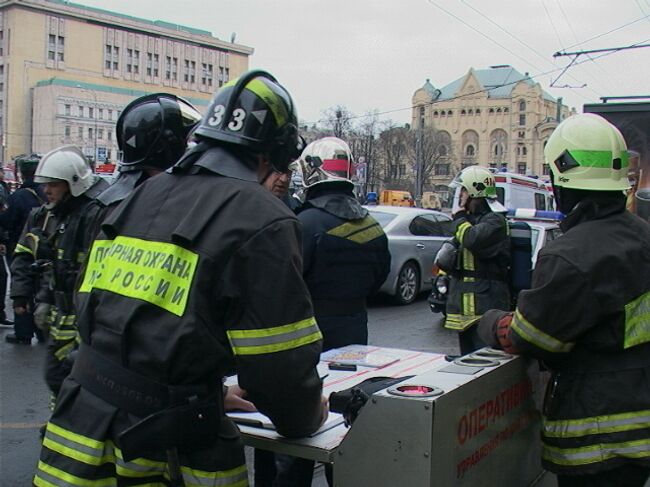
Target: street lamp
(95, 115)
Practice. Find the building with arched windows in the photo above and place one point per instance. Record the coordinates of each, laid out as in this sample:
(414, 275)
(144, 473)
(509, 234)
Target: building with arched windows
(495, 117)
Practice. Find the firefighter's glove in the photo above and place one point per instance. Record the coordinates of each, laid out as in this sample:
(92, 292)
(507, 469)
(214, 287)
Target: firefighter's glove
(494, 330)
(39, 243)
(21, 305)
(42, 316)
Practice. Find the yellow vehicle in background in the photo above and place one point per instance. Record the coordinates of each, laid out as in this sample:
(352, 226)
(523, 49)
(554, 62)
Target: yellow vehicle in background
(431, 201)
(392, 197)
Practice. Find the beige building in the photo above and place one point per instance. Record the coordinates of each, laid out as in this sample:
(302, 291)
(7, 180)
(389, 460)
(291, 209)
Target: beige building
(67, 70)
(495, 117)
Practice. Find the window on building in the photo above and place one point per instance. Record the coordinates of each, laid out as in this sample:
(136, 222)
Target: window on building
(109, 135)
(492, 165)
(435, 114)
(168, 67)
(186, 71)
(506, 110)
(524, 151)
(498, 110)
(443, 113)
(470, 151)
(491, 111)
(227, 75)
(470, 112)
(175, 69)
(55, 47)
(80, 132)
(81, 111)
(136, 61)
(478, 111)
(2, 67)
(193, 72)
(91, 112)
(521, 168)
(100, 113)
(100, 133)
(112, 57)
(221, 75)
(463, 112)
(442, 150)
(110, 114)
(522, 119)
(66, 130)
(156, 65)
(67, 110)
(498, 150)
(206, 74)
(441, 169)
(546, 170)
(521, 134)
(522, 105)
(129, 60)
(90, 133)
(149, 63)
(449, 113)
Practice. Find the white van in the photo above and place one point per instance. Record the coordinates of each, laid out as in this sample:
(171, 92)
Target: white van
(518, 191)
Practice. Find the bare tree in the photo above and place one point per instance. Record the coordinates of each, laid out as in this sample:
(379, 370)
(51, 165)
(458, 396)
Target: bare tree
(337, 121)
(394, 154)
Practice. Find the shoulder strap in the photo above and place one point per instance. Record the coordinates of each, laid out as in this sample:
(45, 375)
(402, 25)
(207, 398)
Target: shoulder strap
(35, 194)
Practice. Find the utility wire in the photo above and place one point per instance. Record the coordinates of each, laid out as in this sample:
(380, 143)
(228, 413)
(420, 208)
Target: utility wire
(608, 32)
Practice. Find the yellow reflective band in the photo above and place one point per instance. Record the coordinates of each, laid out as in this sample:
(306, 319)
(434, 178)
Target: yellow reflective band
(468, 260)
(612, 423)
(21, 249)
(273, 101)
(59, 254)
(55, 474)
(236, 477)
(367, 235)
(77, 438)
(529, 333)
(275, 339)
(77, 447)
(156, 272)
(63, 352)
(596, 453)
(469, 304)
(460, 322)
(460, 231)
(637, 321)
(360, 231)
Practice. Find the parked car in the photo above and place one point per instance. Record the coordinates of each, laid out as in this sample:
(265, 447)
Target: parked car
(414, 237)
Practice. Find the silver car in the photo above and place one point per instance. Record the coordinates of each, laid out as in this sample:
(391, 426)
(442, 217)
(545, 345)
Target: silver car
(414, 237)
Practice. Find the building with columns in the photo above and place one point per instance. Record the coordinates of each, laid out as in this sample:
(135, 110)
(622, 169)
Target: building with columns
(495, 117)
(67, 70)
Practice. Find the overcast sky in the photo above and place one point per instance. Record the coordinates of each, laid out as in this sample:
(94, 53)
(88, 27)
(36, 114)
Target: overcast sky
(371, 55)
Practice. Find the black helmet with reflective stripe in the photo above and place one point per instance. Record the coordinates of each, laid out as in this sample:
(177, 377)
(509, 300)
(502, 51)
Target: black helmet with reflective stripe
(255, 112)
(152, 131)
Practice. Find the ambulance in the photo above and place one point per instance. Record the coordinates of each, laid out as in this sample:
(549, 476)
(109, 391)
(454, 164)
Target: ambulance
(518, 191)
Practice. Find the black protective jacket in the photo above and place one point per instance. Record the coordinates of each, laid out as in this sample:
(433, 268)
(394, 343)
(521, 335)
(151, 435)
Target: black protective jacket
(587, 316)
(479, 280)
(346, 259)
(19, 205)
(197, 271)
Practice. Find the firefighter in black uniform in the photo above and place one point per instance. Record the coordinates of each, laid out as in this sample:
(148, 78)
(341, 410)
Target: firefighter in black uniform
(151, 134)
(586, 315)
(345, 250)
(198, 270)
(345, 259)
(22, 207)
(59, 250)
(479, 269)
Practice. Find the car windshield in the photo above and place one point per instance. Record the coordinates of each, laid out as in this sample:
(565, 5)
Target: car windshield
(383, 218)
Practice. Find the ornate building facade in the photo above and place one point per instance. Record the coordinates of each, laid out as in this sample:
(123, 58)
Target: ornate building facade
(495, 117)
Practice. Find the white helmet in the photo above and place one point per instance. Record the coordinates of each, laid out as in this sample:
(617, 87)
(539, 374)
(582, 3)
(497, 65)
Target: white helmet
(66, 163)
(479, 183)
(325, 160)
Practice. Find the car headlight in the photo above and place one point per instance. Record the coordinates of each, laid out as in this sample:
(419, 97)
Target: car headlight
(441, 285)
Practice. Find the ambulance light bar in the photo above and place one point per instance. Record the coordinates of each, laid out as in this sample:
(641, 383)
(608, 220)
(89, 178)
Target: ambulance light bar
(533, 214)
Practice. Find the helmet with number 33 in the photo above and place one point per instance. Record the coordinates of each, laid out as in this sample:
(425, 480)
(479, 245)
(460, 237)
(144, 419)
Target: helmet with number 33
(255, 112)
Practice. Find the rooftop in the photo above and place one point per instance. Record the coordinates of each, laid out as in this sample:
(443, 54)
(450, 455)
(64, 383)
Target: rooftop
(499, 81)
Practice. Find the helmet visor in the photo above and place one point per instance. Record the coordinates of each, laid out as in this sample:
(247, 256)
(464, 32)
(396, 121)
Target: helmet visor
(189, 115)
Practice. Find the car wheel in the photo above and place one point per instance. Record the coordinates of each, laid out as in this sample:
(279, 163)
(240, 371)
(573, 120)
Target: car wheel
(408, 283)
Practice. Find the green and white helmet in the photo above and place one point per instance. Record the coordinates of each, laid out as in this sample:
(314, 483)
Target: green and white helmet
(587, 152)
(478, 181)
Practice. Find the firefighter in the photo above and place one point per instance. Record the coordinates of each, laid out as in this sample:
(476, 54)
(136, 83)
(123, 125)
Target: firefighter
(197, 271)
(345, 260)
(479, 271)
(58, 250)
(21, 207)
(151, 133)
(586, 315)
